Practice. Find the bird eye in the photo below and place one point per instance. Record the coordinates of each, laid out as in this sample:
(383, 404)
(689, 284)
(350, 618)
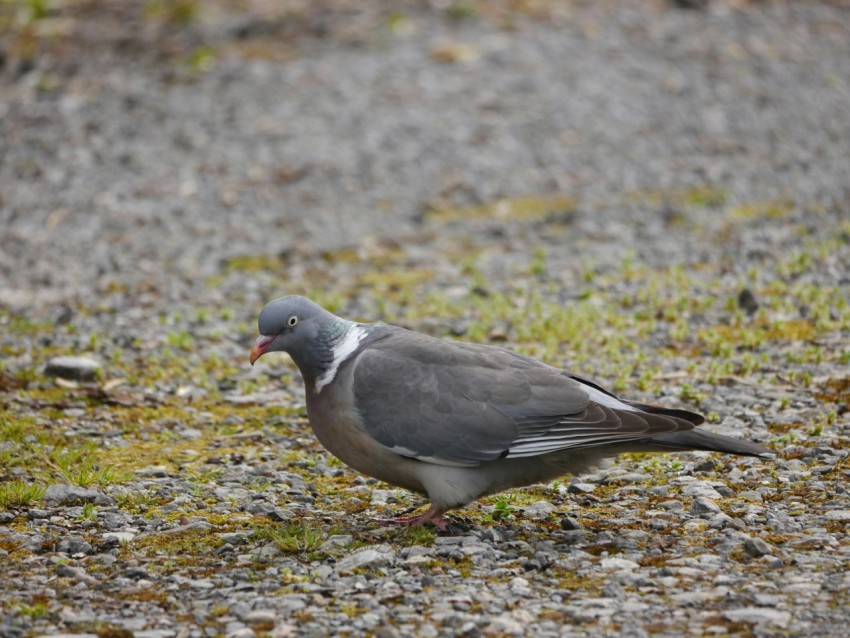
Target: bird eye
(292, 321)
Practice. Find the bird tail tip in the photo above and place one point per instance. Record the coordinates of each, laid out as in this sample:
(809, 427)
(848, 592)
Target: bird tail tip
(711, 442)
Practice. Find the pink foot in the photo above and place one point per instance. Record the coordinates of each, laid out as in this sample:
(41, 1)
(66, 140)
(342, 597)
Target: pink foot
(434, 516)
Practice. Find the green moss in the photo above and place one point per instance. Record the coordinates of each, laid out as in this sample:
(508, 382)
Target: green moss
(298, 538)
(23, 326)
(407, 536)
(774, 209)
(178, 546)
(182, 340)
(395, 280)
(519, 209)
(704, 197)
(172, 11)
(254, 263)
(34, 610)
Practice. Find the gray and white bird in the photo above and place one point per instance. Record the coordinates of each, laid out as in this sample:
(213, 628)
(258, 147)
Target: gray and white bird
(456, 421)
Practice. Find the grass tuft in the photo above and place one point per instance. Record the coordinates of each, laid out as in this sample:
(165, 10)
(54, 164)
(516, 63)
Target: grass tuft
(20, 494)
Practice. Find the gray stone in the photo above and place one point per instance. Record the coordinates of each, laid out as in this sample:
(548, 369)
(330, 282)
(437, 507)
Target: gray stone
(838, 515)
(615, 563)
(759, 616)
(76, 573)
(285, 630)
(570, 524)
(672, 504)
(152, 471)
(200, 583)
(234, 538)
(369, 620)
(260, 617)
(290, 603)
(658, 524)
(702, 506)
(708, 465)
(136, 572)
(335, 542)
(581, 488)
(279, 514)
(700, 488)
(60, 494)
(200, 526)
(387, 632)
(266, 553)
(539, 510)
(505, 625)
(767, 600)
(323, 571)
(75, 545)
(757, 547)
(629, 477)
(121, 537)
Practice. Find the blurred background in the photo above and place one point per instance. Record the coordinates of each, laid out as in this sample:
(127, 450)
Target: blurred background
(139, 133)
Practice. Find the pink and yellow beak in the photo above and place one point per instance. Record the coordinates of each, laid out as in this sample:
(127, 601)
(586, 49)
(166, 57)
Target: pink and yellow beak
(260, 347)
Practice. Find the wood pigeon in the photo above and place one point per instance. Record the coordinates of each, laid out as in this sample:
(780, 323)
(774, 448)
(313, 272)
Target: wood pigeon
(456, 421)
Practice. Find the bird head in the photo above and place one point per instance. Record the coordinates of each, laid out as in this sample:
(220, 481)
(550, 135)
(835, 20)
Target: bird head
(299, 327)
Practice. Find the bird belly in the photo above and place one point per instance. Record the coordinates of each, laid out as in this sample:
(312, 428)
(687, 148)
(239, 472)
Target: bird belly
(452, 487)
(341, 433)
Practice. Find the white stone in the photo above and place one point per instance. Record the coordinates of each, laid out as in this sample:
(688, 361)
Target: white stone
(369, 557)
(838, 515)
(759, 615)
(123, 537)
(613, 564)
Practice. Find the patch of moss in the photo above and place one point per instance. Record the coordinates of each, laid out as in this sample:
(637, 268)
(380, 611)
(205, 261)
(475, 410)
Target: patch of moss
(397, 280)
(704, 197)
(254, 263)
(302, 538)
(520, 209)
(773, 209)
(180, 547)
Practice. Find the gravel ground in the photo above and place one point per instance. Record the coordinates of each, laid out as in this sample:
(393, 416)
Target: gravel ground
(654, 195)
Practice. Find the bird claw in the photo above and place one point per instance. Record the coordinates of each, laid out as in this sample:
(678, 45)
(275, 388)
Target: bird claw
(433, 516)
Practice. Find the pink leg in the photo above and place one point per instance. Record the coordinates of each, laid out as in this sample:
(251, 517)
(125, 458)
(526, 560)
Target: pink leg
(434, 516)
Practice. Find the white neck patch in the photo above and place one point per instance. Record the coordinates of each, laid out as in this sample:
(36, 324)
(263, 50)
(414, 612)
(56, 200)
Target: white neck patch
(342, 350)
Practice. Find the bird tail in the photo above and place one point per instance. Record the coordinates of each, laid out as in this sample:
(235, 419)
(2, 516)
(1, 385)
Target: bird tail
(710, 442)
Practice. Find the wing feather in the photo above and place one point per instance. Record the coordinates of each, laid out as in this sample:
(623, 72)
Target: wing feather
(463, 404)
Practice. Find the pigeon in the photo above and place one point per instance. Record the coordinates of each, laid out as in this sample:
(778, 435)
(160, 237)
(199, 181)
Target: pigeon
(456, 421)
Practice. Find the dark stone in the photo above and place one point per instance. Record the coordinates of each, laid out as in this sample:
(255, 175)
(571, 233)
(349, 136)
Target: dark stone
(75, 545)
(570, 524)
(747, 301)
(73, 368)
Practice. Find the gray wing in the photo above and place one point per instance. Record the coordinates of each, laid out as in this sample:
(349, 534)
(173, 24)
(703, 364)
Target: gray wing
(463, 404)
